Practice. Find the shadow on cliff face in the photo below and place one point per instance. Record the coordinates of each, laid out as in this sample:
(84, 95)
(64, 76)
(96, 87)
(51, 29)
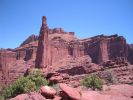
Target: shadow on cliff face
(73, 71)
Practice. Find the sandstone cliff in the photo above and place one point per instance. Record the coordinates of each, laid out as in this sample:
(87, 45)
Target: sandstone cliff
(130, 53)
(60, 51)
(54, 46)
(15, 62)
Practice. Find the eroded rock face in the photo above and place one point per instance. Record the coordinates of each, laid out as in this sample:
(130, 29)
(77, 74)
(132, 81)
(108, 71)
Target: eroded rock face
(54, 45)
(60, 51)
(42, 57)
(15, 62)
(64, 53)
(5, 57)
(130, 53)
(30, 39)
(103, 48)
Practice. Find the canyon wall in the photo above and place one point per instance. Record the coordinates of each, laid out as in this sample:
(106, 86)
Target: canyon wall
(130, 53)
(15, 62)
(53, 47)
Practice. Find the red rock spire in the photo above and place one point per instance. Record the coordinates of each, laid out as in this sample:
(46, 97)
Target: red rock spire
(41, 58)
(44, 21)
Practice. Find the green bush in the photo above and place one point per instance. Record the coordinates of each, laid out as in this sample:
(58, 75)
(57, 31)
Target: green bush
(40, 82)
(36, 76)
(93, 82)
(22, 85)
(33, 73)
(31, 82)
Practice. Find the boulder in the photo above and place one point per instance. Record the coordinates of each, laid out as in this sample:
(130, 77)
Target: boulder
(71, 92)
(30, 96)
(48, 91)
(55, 79)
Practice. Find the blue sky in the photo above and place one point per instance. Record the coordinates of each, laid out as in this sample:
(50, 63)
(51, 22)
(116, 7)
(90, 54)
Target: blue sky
(21, 18)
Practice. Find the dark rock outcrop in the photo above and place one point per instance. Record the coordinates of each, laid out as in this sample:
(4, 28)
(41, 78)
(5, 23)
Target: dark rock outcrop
(30, 39)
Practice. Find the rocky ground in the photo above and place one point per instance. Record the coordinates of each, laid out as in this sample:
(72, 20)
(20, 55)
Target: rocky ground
(65, 92)
(66, 60)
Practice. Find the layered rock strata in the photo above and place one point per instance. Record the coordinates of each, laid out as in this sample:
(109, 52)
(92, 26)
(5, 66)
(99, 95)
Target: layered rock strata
(54, 45)
(59, 51)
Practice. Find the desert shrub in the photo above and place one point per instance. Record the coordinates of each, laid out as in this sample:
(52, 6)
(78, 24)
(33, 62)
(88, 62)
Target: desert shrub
(22, 85)
(35, 75)
(110, 78)
(33, 81)
(93, 82)
(40, 81)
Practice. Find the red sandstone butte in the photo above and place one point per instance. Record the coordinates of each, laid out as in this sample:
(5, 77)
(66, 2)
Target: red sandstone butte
(60, 51)
(55, 45)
